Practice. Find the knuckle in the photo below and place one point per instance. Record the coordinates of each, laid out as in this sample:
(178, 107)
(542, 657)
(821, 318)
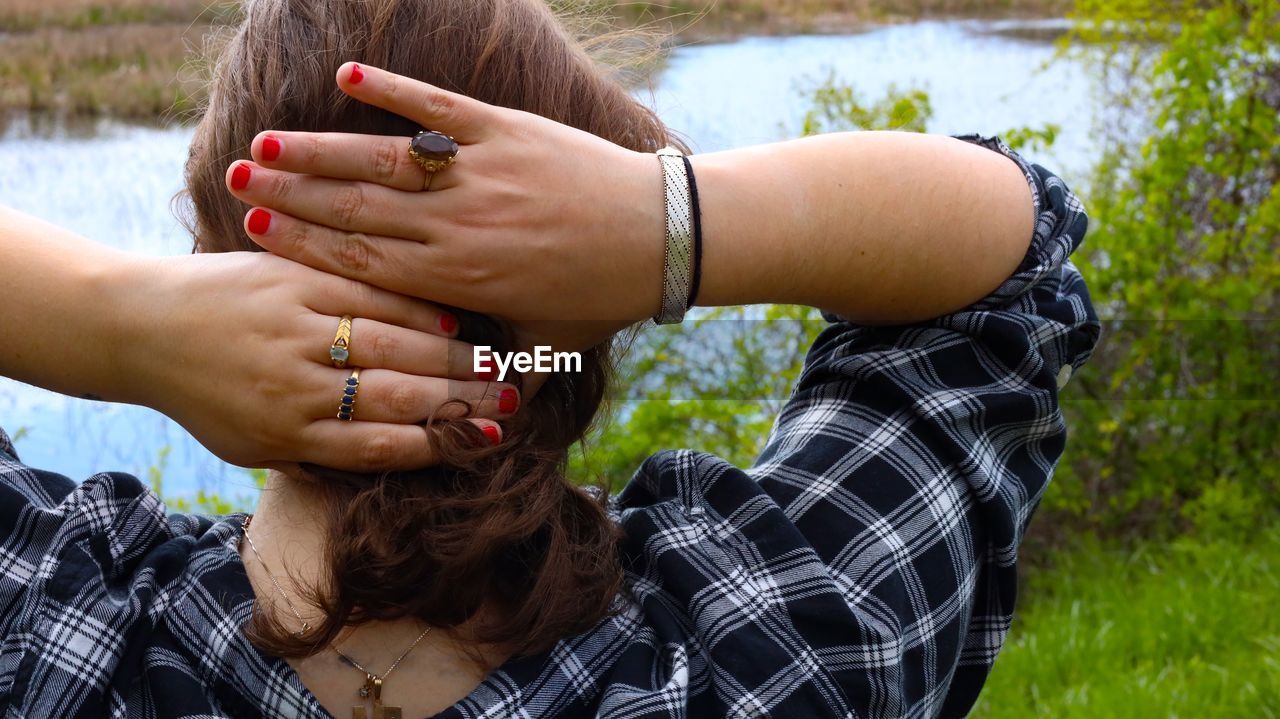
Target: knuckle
(378, 450)
(298, 238)
(353, 252)
(475, 273)
(386, 162)
(437, 104)
(348, 203)
(315, 151)
(383, 348)
(360, 294)
(391, 88)
(404, 400)
(281, 188)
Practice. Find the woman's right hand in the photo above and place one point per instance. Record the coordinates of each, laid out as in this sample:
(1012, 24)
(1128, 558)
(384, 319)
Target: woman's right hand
(235, 348)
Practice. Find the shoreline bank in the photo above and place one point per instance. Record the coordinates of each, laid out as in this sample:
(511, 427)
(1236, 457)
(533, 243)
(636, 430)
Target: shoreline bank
(137, 60)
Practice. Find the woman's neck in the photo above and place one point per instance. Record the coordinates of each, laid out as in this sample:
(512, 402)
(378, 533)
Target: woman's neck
(289, 529)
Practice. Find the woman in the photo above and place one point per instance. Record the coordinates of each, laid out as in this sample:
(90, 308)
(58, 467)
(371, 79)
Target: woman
(864, 566)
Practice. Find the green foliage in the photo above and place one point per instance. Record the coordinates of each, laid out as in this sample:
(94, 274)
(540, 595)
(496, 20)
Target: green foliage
(714, 383)
(1182, 629)
(1183, 259)
(203, 502)
(1031, 139)
(836, 106)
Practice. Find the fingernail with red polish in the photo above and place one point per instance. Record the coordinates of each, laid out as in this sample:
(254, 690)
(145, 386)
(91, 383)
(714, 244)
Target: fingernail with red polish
(259, 221)
(508, 400)
(492, 433)
(240, 177)
(270, 148)
(356, 75)
(488, 375)
(448, 322)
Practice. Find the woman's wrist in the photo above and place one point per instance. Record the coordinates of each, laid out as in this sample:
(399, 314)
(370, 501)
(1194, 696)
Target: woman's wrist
(123, 325)
(753, 221)
(61, 304)
(641, 200)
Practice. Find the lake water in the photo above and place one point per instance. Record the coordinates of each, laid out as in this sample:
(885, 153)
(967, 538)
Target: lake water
(113, 182)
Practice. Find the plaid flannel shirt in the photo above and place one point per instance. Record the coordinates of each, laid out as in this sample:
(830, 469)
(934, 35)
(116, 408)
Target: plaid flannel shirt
(865, 566)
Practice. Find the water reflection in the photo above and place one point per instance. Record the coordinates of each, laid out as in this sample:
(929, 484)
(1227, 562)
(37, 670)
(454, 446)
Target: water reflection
(113, 182)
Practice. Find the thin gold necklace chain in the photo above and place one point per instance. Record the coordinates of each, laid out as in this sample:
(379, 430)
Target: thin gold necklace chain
(307, 627)
(394, 664)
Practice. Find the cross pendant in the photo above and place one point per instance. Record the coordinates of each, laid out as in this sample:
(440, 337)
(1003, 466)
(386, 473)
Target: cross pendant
(373, 688)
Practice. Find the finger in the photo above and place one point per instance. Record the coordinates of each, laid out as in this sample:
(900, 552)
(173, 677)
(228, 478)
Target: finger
(377, 447)
(366, 158)
(467, 120)
(388, 396)
(343, 204)
(402, 266)
(385, 346)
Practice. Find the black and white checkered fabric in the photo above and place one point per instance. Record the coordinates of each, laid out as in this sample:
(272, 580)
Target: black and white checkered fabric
(864, 567)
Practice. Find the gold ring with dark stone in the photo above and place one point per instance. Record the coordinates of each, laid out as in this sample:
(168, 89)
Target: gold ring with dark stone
(347, 406)
(433, 150)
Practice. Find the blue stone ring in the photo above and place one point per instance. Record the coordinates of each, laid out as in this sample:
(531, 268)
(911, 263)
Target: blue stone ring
(340, 350)
(348, 405)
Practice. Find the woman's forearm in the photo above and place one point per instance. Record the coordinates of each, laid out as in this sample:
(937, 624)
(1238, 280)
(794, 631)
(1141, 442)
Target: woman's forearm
(235, 347)
(57, 313)
(875, 226)
(538, 222)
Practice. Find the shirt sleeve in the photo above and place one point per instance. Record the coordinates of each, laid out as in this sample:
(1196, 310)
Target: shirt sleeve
(61, 542)
(28, 521)
(912, 457)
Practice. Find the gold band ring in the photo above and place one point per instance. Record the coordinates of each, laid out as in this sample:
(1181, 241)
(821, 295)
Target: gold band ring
(347, 407)
(433, 150)
(340, 350)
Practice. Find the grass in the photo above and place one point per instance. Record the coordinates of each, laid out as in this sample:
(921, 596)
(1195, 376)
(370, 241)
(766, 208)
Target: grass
(1179, 630)
(30, 15)
(133, 71)
(122, 58)
(819, 15)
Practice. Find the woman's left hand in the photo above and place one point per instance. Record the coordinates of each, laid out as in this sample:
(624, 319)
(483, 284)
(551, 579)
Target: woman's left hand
(544, 225)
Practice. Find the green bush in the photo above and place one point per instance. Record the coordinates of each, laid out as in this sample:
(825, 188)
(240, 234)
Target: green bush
(1174, 421)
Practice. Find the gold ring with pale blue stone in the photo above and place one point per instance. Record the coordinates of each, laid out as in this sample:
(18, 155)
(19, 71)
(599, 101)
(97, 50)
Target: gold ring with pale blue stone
(340, 350)
(347, 407)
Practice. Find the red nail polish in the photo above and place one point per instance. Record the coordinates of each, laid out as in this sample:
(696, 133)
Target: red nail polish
(270, 148)
(448, 322)
(356, 75)
(488, 375)
(259, 221)
(492, 433)
(508, 400)
(240, 177)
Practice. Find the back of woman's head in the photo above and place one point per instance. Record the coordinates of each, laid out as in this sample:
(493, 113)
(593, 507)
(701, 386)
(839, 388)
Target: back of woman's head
(498, 529)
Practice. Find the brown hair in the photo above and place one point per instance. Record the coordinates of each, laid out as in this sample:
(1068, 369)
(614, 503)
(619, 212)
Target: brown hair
(500, 528)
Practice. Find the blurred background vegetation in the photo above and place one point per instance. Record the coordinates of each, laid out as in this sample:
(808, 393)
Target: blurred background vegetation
(1152, 581)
